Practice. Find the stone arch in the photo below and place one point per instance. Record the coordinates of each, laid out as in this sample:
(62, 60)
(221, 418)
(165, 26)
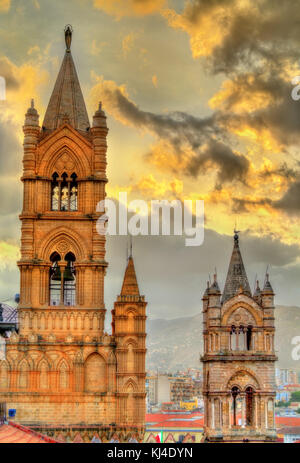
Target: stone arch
(62, 241)
(239, 304)
(43, 369)
(131, 341)
(52, 151)
(64, 374)
(131, 314)
(24, 374)
(130, 386)
(95, 373)
(243, 378)
(4, 374)
(241, 316)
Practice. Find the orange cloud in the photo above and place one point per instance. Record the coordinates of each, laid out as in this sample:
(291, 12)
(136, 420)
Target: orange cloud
(155, 81)
(120, 8)
(128, 43)
(207, 25)
(4, 5)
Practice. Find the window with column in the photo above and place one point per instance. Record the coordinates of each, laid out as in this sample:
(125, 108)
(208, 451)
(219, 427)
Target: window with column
(62, 280)
(64, 191)
(241, 338)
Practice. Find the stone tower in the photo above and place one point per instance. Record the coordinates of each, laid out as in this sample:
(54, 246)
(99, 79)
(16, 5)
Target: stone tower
(239, 358)
(62, 369)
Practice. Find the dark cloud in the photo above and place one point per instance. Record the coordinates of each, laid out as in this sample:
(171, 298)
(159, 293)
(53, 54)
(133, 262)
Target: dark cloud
(290, 202)
(203, 135)
(265, 31)
(282, 171)
(232, 165)
(241, 205)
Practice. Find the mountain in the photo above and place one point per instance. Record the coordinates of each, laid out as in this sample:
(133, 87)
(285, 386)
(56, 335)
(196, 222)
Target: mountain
(176, 344)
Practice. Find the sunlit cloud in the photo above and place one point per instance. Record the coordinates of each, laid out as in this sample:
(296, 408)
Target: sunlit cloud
(120, 8)
(155, 80)
(4, 5)
(128, 43)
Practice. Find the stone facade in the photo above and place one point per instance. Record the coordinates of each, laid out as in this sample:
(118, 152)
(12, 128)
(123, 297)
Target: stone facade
(62, 371)
(239, 358)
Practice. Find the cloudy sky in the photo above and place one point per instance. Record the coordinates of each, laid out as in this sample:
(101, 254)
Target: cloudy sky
(198, 99)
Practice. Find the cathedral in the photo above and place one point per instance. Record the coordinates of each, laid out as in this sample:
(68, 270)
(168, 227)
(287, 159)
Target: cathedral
(239, 358)
(63, 375)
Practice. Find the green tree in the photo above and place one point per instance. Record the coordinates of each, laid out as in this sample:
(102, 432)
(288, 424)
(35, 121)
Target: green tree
(295, 397)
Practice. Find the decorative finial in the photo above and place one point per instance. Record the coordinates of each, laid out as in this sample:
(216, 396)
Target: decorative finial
(236, 235)
(68, 36)
(130, 246)
(32, 103)
(100, 106)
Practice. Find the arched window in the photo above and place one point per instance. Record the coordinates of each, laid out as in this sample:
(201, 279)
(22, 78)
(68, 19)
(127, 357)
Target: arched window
(69, 280)
(233, 344)
(249, 406)
(54, 192)
(241, 339)
(235, 393)
(62, 283)
(249, 337)
(55, 279)
(64, 192)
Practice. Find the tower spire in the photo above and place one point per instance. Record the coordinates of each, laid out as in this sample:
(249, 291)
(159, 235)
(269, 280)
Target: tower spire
(66, 102)
(130, 285)
(236, 275)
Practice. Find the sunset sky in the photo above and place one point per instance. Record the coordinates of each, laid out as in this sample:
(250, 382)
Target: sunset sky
(198, 99)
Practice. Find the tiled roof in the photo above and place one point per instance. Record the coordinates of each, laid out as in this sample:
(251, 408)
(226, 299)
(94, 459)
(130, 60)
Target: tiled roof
(13, 433)
(175, 420)
(287, 421)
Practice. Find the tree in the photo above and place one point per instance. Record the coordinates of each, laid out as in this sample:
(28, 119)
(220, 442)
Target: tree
(295, 397)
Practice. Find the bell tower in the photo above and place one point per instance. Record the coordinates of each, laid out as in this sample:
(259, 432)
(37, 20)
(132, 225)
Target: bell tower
(62, 370)
(62, 261)
(239, 358)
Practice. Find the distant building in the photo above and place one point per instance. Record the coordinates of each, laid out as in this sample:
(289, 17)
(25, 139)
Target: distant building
(158, 389)
(239, 357)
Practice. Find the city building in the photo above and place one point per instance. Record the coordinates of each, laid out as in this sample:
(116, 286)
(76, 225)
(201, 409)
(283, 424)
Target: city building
(238, 361)
(62, 373)
(158, 389)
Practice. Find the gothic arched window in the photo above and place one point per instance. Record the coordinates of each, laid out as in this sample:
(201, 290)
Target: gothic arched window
(55, 279)
(249, 337)
(69, 280)
(249, 406)
(235, 393)
(64, 191)
(62, 280)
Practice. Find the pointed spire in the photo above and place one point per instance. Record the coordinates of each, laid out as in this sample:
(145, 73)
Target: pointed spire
(66, 101)
(236, 275)
(267, 286)
(130, 285)
(31, 116)
(205, 295)
(215, 286)
(99, 118)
